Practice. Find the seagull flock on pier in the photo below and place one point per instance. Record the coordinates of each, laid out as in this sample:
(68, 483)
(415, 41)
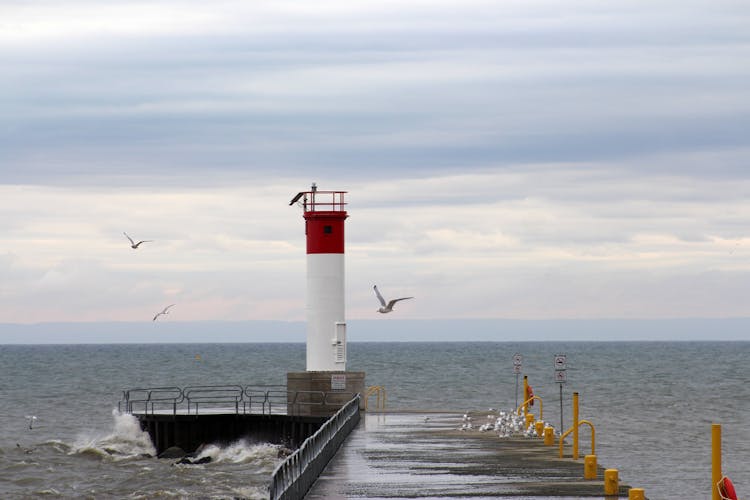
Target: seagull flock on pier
(505, 424)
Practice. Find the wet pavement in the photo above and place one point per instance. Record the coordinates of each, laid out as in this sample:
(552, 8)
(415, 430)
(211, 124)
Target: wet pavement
(426, 455)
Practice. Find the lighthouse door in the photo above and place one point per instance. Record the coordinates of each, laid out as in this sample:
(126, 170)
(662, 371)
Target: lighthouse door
(340, 342)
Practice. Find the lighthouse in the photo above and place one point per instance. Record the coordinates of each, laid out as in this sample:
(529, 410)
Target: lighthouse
(325, 214)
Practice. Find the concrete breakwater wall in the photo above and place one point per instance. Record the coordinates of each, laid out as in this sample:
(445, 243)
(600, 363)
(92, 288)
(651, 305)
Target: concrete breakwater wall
(190, 431)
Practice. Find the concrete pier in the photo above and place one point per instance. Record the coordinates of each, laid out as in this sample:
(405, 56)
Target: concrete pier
(422, 454)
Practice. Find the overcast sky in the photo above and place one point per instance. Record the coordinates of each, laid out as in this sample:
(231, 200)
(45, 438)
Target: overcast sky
(503, 159)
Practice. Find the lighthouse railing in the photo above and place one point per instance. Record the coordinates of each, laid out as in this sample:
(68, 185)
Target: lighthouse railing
(293, 477)
(317, 201)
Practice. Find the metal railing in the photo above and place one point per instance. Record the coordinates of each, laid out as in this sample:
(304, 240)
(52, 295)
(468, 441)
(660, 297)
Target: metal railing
(379, 390)
(216, 396)
(575, 452)
(525, 404)
(298, 399)
(150, 397)
(252, 399)
(270, 398)
(293, 477)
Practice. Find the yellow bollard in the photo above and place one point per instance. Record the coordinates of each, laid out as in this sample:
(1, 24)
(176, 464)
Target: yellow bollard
(539, 427)
(589, 467)
(525, 397)
(611, 482)
(715, 460)
(636, 494)
(549, 436)
(529, 420)
(575, 426)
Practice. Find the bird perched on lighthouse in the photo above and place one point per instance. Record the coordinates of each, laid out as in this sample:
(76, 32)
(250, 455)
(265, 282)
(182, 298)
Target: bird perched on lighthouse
(389, 306)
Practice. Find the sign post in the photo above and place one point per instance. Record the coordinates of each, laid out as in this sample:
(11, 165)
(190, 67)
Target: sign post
(561, 377)
(517, 359)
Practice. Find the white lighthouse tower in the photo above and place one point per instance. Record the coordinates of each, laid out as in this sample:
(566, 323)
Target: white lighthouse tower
(325, 213)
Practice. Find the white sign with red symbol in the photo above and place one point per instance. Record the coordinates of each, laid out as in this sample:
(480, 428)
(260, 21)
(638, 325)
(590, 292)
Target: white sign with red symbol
(561, 362)
(517, 358)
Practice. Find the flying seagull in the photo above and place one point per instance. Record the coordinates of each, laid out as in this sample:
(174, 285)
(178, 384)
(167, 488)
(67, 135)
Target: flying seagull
(133, 244)
(165, 311)
(389, 307)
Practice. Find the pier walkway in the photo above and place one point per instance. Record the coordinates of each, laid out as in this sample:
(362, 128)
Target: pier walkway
(425, 455)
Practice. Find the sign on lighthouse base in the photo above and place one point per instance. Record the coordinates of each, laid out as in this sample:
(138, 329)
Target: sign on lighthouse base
(322, 393)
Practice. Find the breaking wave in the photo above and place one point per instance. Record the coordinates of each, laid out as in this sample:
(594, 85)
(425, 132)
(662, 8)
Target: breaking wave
(261, 456)
(126, 441)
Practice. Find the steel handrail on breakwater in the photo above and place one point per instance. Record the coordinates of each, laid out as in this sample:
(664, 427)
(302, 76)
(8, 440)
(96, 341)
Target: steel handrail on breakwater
(151, 395)
(265, 396)
(252, 399)
(268, 400)
(294, 476)
(213, 394)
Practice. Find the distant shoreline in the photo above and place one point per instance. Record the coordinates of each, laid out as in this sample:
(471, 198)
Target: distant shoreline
(390, 330)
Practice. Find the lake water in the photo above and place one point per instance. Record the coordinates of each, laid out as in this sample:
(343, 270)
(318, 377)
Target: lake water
(652, 404)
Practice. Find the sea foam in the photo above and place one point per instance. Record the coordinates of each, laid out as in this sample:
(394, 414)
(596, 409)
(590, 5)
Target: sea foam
(126, 440)
(262, 455)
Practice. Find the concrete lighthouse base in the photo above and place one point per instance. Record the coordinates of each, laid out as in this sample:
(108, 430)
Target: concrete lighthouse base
(322, 393)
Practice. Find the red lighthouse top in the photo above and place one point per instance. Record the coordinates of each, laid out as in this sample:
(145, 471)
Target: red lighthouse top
(324, 219)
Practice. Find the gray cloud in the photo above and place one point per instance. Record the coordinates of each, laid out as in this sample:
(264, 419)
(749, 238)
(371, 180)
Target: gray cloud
(258, 89)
